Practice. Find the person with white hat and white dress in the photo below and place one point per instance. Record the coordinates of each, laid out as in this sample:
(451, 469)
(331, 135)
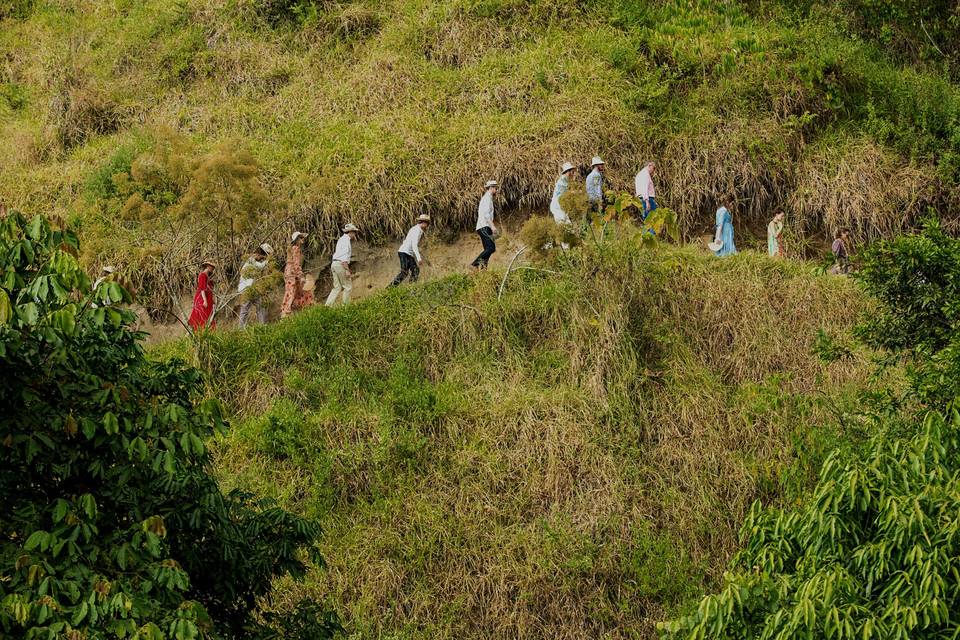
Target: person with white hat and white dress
(251, 270)
(595, 183)
(340, 267)
(561, 187)
(486, 228)
(293, 297)
(106, 275)
(410, 258)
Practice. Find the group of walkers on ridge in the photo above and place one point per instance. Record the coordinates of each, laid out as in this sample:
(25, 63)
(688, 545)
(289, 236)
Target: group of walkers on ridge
(255, 283)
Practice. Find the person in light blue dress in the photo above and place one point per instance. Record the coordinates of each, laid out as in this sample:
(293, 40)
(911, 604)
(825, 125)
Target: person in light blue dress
(724, 236)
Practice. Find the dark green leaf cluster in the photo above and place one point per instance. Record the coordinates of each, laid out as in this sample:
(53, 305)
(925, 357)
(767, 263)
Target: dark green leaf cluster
(873, 553)
(917, 280)
(110, 522)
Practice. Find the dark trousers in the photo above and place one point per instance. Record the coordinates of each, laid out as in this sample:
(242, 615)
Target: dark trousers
(408, 267)
(489, 247)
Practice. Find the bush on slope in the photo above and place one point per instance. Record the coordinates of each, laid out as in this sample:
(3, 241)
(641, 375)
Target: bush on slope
(567, 462)
(872, 553)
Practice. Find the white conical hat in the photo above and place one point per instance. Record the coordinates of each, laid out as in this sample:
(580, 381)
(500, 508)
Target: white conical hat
(297, 235)
(347, 228)
(596, 161)
(567, 166)
(267, 249)
(491, 183)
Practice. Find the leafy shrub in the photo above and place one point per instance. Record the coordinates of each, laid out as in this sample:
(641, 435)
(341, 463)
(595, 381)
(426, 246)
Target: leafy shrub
(869, 556)
(872, 553)
(291, 11)
(79, 112)
(14, 95)
(113, 525)
(541, 234)
(102, 184)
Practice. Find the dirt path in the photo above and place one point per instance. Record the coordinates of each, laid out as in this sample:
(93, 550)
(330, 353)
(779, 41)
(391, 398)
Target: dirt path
(374, 269)
(376, 266)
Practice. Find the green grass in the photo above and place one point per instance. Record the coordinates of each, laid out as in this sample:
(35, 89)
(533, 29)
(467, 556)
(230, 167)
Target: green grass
(571, 461)
(377, 111)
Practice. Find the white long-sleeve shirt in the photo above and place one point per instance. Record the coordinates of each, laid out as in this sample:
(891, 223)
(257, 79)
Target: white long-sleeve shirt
(411, 244)
(644, 184)
(344, 250)
(485, 211)
(246, 283)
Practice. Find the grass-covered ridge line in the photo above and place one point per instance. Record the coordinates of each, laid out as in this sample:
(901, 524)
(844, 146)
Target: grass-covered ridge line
(571, 461)
(377, 111)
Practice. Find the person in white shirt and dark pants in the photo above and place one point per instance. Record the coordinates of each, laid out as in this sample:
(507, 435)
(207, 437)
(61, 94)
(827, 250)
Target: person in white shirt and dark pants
(645, 188)
(486, 229)
(340, 267)
(410, 258)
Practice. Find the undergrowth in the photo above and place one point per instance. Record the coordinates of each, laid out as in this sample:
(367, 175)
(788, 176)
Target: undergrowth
(571, 460)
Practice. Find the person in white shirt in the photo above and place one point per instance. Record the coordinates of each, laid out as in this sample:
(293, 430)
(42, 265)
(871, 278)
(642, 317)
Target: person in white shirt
(486, 229)
(340, 267)
(559, 189)
(106, 275)
(645, 189)
(252, 269)
(410, 258)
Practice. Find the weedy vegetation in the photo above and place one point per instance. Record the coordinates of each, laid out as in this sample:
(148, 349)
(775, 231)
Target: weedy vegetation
(569, 458)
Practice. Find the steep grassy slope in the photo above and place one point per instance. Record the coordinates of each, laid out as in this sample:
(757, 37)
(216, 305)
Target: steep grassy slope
(376, 111)
(570, 461)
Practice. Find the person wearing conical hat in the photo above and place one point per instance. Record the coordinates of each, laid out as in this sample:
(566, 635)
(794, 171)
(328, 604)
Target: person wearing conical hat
(106, 274)
(201, 317)
(410, 258)
(486, 228)
(595, 184)
(340, 266)
(251, 271)
(293, 294)
(561, 187)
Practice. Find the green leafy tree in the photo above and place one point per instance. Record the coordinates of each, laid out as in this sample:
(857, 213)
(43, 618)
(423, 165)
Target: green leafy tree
(873, 552)
(111, 525)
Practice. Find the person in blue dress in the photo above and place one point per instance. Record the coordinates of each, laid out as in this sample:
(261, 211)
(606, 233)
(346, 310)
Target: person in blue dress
(724, 236)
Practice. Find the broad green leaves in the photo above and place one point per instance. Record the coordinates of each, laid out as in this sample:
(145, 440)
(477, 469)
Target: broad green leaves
(113, 526)
(874, 552)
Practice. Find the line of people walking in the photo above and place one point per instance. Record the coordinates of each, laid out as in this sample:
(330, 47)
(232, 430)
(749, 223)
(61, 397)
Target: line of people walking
(255, 281)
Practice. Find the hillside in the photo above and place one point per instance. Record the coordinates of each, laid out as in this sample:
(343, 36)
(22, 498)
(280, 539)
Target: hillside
(171, 129)
(572, 460)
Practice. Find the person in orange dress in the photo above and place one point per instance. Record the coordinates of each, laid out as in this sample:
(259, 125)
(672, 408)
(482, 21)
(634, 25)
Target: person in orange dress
(295, 297)
(203, 302)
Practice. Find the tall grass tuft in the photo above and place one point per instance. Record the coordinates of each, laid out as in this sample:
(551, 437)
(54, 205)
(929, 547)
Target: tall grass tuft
(570, 460)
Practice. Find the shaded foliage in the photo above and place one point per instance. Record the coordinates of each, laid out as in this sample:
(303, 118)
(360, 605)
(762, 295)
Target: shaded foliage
(872, 552)
(112, 525)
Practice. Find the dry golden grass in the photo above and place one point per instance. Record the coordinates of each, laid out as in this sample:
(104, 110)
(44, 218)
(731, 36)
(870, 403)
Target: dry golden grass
(859, 185)
(589, 448)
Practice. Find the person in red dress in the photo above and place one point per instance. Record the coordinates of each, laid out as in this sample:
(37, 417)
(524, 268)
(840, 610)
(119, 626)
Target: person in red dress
(200, 317)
